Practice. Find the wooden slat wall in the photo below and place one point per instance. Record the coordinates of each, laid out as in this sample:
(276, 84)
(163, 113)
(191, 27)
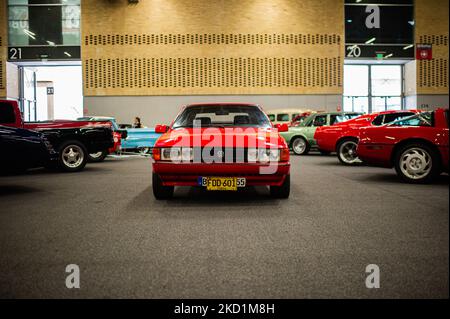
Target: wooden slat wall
(432, 27)
(172, 47)
(3, 47)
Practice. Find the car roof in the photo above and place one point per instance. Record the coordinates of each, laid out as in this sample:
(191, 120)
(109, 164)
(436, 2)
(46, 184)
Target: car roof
(336, 113)
(221, 104)
(292, 110)
(97, 117)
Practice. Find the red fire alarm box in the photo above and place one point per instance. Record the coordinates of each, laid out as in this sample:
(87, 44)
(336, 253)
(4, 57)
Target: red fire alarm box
(424, 52)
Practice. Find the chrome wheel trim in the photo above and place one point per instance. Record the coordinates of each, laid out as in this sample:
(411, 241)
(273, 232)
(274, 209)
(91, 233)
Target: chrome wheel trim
(416, 163)
(96, 155)
(144, 150)
(348, 152)
(299, 145)
(72, 156)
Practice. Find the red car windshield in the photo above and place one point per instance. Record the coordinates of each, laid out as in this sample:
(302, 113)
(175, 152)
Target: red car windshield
(222, 116)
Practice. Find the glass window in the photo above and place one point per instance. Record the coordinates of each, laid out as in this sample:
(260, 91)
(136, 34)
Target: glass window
(378, 104)
(320, 120)
(422, 119)
(396, 25)
(283, 117)
(294, 115)
(356, 104)
(222, 115)
(271, 117)
(356, 80)
(386, 80)
(338, 118)
(378, 120)
(44, 23)
(7, 114)
(388, 118)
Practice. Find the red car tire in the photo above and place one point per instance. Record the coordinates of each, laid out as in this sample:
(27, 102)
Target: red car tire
(282, 191)
(417, 163)
(159, 190)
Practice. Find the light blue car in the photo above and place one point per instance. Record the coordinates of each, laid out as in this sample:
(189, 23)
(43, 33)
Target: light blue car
(140, 139)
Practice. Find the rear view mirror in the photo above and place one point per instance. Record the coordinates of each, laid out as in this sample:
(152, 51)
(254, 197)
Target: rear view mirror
(282, 127)
(161, 128)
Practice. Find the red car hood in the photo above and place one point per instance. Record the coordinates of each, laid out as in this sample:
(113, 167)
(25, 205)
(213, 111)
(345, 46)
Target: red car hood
(222, 137)
(66, 124)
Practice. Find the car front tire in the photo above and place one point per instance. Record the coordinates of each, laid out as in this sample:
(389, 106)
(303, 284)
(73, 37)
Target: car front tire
(417, 163)
(282, 191)
(159, 190)
(346, 152)
(72, 156)
(300, 146)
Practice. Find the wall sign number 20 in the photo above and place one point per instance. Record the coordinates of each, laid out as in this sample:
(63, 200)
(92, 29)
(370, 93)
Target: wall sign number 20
(15, 54)
(354, 51)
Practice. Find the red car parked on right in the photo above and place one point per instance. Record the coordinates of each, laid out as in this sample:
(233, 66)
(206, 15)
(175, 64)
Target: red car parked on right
(417, 146)
(342, 138)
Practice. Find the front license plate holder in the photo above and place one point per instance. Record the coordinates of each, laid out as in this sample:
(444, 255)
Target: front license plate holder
(213, 183)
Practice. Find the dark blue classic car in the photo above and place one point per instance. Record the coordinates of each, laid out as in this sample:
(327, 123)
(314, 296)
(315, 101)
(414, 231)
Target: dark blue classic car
(21, 149)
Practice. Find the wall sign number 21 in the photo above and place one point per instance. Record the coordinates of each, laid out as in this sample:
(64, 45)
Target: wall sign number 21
(354, 51)
(15, 54)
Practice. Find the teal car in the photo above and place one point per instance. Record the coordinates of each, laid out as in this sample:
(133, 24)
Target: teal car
(140, 139)
(300, 137)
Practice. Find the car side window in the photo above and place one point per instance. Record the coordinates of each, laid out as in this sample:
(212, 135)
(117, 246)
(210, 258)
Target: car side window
(7, 115)
(283, 117)
(424, 119)
(388, 118)
(378, 120)
(320, 120)
(271, 117)
(294, 116)
(333, 119)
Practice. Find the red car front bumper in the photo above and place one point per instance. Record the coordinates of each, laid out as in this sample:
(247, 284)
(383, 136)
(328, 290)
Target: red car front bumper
(186, 174)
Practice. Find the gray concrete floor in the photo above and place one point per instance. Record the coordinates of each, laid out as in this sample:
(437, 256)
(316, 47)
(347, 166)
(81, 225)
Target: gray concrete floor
(223, 245)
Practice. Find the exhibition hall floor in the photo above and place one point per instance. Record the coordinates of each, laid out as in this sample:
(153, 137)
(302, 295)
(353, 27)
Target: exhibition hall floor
(316, 244)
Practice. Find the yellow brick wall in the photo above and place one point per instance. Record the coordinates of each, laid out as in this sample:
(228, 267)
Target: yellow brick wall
(177, 47)
(432, 28)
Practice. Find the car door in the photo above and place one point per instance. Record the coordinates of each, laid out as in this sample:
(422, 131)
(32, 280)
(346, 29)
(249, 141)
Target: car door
(319, 120)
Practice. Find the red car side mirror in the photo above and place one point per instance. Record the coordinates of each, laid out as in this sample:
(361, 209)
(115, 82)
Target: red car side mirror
(161, 128)
(282, 127)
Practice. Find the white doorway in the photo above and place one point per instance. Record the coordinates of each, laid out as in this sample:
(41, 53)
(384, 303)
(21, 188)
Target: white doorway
(51, 92)
(61, 91)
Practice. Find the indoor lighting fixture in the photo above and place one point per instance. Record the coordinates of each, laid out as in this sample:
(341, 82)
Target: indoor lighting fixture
(408, 47)
(371, 41)
(29, 33)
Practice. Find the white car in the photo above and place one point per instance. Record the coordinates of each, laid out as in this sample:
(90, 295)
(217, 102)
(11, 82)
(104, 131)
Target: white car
(280, 116)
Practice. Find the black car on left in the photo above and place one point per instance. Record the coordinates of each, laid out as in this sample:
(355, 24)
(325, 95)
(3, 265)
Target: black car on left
(21, 149)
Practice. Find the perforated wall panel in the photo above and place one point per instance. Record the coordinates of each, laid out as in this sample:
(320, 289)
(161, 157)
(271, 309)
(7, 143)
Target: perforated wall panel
(284, 47)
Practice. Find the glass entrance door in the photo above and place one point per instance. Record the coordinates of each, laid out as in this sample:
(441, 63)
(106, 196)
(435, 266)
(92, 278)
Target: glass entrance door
(27, 93)
(372, 88)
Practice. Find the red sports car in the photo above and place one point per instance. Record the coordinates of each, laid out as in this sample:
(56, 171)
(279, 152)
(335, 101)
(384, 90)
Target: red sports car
(342, 138)
(417, 146)
(221, 147)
